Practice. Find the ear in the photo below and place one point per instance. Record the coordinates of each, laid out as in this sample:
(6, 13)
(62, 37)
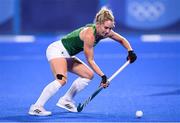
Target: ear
(97, 23)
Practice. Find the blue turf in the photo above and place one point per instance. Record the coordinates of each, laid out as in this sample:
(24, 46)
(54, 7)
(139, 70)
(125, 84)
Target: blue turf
(152, 84)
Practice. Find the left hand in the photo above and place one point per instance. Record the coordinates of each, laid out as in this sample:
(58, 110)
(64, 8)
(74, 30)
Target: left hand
(104, 83)
(131, 56)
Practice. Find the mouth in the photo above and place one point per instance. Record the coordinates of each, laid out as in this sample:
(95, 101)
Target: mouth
(105, 34)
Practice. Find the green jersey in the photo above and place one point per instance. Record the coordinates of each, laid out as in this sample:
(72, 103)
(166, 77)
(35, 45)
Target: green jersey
(73, 43)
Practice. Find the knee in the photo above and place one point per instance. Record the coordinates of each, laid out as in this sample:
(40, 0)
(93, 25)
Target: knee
(61, 79)
(90, 75)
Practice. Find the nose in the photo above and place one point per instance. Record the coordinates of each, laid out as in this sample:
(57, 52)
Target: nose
(107, 31)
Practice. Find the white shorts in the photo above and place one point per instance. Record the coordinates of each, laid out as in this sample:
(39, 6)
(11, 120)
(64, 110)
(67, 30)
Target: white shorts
(56, 50)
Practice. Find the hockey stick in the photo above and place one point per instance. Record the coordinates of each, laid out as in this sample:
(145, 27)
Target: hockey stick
(81, 106)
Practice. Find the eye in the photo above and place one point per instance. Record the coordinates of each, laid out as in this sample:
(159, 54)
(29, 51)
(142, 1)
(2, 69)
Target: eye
(107, 28)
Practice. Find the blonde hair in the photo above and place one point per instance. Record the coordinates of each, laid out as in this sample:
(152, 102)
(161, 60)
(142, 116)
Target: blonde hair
(103, 15)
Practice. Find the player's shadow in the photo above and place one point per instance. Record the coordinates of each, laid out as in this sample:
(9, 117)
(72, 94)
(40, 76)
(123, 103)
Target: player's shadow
(85, 117)
(58, 117)
(174, 92)
(23, 118)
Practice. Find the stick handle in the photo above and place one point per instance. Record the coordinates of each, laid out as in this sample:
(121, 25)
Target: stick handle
(81, 106)
(118, 71)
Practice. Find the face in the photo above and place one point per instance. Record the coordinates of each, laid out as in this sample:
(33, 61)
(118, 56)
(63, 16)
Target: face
(105, 28)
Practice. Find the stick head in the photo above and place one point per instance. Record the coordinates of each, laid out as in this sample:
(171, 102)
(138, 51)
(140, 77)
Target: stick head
(80, 107)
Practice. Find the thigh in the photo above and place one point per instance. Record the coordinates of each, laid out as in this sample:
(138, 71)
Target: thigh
(59, 66)
(80, 68)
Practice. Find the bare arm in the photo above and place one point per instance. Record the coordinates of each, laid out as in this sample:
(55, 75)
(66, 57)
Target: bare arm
(131, 55)
(87, 36)
(121, 40)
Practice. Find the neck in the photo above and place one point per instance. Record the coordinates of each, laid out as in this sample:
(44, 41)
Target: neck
(97, 31)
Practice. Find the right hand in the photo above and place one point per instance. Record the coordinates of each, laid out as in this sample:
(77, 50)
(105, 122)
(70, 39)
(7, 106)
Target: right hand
(104, 82)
